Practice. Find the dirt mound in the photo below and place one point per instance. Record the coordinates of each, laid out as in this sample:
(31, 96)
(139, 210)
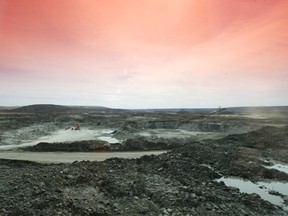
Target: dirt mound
(169, 184)
(267, 137)
(132, 144)
(230, 160)
(266, 143)
(77, 146)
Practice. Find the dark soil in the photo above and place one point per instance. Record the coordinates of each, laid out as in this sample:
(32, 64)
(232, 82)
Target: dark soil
(180, 182)
(77, 146)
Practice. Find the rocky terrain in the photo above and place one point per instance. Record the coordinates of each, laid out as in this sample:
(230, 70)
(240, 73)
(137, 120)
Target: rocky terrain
(183, 181)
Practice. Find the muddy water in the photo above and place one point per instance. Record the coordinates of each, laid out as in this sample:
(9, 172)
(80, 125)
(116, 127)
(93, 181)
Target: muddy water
(261, 188)
(66, 136)
(33, 135)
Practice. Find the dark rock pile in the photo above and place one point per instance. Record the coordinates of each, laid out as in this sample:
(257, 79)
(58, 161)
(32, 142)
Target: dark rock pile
(131, 144)
(180, 182)
(151, 185)
(77, 146)
(176, 183)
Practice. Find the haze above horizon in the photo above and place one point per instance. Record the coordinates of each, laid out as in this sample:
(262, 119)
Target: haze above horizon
(145, 53)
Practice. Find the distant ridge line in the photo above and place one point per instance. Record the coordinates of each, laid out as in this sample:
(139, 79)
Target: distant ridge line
(52, 108)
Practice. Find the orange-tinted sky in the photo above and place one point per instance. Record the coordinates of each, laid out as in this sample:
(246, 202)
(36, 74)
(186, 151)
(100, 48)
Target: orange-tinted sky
(144, 53)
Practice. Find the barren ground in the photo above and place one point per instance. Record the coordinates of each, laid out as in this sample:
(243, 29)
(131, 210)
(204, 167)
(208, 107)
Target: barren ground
(202, 149)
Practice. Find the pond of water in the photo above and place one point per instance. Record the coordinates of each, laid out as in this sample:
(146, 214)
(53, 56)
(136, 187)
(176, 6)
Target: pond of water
(261, 188)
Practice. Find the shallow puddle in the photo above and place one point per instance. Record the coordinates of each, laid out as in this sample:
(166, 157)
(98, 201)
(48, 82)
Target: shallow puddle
(280, 167)
(261, 188)
(108, 139)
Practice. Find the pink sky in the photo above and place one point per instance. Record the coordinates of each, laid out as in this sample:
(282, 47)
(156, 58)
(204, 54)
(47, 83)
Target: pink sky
(144, 53)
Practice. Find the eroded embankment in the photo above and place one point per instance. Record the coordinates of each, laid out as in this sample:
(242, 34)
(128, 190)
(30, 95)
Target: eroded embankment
(200, 125)
(29, 126)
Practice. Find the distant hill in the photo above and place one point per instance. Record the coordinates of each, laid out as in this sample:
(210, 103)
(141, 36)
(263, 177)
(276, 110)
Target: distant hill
(98, 109)
(52, 108)
(42, 108)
